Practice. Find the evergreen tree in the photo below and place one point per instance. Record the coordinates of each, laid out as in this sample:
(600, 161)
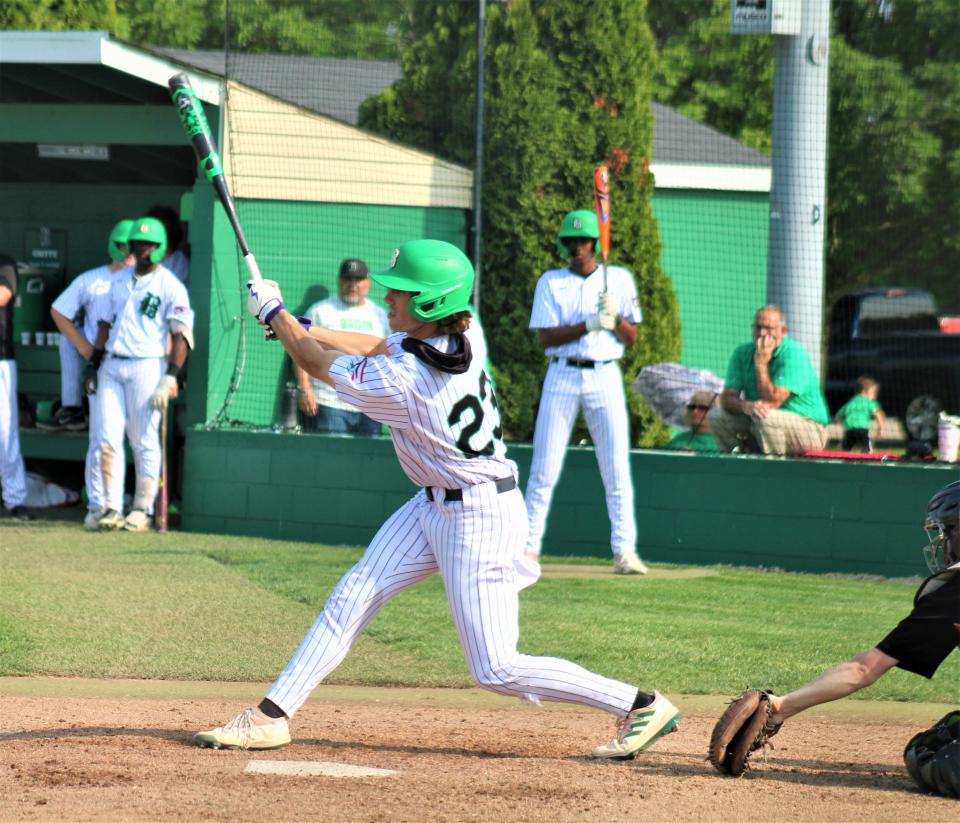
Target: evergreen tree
(567, 88)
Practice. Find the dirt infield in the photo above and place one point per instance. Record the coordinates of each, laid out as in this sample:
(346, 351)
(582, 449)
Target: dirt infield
(120, 750)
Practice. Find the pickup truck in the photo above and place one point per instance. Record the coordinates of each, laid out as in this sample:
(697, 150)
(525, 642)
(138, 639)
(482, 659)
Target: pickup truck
(894, 336)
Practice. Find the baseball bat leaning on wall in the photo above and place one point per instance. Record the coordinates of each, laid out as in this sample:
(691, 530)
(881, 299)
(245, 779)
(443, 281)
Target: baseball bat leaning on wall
(195, 124)
(601, 199)
(163, 504)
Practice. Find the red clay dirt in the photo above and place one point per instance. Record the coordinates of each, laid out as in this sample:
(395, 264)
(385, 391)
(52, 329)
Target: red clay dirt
(461, 756)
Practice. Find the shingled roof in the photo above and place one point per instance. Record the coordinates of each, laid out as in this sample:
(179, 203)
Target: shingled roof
(336, 87)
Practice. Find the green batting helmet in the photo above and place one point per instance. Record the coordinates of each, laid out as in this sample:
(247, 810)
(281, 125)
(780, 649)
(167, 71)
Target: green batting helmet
(580, 223)
(439, 273)
(150, 230)
(119, 234)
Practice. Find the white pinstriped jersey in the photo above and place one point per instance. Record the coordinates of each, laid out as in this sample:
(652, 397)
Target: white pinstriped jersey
(564, 298)
(445, 427)
(83, 293)
(140, 310)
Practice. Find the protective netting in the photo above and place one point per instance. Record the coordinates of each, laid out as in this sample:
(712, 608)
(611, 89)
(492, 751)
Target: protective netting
(814, 169)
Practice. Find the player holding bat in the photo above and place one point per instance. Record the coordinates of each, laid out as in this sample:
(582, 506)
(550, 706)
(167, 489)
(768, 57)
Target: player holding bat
(467, 522)
(585, 316)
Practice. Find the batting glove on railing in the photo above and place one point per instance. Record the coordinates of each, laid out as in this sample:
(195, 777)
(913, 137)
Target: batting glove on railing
(601, 322)
(163, 392)
(270, 334)
(265, 300)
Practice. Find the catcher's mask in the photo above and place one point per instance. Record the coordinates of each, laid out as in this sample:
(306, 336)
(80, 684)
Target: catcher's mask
(942, 526)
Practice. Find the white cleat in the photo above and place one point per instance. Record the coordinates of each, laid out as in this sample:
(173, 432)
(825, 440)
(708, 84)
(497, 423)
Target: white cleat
(251, 729)
(110, 519)
(640, 729)
(628, 563)
(92, 520)
(137, 521)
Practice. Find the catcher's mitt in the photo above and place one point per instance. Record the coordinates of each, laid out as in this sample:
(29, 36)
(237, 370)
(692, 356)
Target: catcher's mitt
(742, 729)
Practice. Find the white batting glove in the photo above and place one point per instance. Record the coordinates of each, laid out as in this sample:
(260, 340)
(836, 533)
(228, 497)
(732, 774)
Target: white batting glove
(161, 395)
(607, 304)
(601, 322)
(265, 300)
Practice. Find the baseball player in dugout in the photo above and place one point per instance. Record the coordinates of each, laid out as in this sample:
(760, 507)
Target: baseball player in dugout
(132, 373)
(466, 523)
(918, 644)
(771, 401)
(350, 310)
(74, 313)
(13, 473)
(584, 330)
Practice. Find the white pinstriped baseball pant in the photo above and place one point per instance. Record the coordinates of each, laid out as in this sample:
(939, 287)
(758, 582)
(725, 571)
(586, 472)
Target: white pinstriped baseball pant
(71, 373)
(125, 388)
(473, 545)
(13, 474)
(599, 392)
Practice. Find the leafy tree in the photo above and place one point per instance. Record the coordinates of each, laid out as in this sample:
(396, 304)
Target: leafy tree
(62, 15)
(894, 152)
(717, 78)
(876, 210)
(432, 105)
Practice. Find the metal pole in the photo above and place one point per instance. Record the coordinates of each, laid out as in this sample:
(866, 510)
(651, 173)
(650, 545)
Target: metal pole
(798, 198)
(478, 154)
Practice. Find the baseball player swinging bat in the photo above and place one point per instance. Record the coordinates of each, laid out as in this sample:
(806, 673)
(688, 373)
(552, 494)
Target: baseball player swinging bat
(195, 124)
(163, 504)
(601, 199)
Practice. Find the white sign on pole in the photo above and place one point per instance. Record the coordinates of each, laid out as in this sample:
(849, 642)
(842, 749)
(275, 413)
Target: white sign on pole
(765, 16)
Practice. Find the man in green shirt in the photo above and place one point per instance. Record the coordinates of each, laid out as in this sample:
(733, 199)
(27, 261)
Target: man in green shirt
(771, 401)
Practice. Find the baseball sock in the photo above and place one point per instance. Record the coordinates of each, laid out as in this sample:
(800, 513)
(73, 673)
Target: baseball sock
(643, 700)
(271, 709)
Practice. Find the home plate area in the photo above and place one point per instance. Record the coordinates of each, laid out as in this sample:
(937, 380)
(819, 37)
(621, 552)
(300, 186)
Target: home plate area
(314, 768)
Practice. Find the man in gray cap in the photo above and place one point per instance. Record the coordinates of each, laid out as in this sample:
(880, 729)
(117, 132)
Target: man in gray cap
(350, 310)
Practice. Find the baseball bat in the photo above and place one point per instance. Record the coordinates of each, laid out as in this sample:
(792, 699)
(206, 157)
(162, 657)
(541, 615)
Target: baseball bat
(601, 199)
(163, 505)
(195, 124)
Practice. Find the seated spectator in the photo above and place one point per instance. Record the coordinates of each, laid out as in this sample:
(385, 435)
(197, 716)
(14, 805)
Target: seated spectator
(858, 413)
(699, 438)
(771, 401)
(349, 311)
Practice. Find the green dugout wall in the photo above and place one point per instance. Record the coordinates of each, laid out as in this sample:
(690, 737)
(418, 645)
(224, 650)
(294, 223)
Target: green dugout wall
(810, 516)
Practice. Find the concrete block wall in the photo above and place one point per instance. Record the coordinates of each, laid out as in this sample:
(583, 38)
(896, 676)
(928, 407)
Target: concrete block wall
(815, 516)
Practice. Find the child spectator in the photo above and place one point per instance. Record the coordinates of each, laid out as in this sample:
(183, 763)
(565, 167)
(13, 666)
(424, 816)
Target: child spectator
(699, 438)
(858, 413)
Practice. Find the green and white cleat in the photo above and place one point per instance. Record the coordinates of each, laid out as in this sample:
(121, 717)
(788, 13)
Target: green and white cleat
(251, 729)
(641, 729)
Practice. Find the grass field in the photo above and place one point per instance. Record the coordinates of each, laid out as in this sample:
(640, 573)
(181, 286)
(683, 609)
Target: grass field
(186, 606)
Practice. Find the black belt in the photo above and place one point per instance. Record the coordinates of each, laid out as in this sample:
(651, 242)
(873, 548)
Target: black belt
(504, 484)
(581, 364)
(122, 357)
